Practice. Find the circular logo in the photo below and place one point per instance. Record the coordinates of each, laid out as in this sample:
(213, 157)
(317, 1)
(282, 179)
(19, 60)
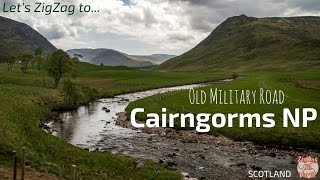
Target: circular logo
(307, 167)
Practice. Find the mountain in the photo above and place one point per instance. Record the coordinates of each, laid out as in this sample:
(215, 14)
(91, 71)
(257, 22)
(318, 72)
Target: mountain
(108, 57)
(16, 37)
(248, 43)
(155, 58)
(111, 57)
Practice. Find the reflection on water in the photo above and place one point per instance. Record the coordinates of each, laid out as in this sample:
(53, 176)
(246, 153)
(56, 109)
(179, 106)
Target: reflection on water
(93, 128)
(76, 120)
(86, 126)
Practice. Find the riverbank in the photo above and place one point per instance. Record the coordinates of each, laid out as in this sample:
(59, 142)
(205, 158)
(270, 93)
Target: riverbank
(208, 155)
(191, 136)
(297, 95)
(214, 157)
(51, 155)
(27, 102)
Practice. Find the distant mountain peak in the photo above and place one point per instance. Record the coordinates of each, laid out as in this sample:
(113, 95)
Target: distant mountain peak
(108, 57)
(112, 57)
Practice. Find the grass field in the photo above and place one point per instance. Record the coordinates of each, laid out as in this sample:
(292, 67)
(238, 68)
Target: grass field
(25, 101)
(301, 91)
(114, 80)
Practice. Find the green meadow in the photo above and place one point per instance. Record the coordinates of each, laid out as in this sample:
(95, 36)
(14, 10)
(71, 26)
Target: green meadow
(29, 98)
(269, 53)
(301, 90)
(26, 99)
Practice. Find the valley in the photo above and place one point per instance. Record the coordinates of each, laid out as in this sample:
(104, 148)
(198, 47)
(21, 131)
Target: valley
(29, 103)
(271, 64)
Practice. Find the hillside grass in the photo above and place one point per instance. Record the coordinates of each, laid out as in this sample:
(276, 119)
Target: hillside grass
(244, 43)
(301, 91)
(24, 102)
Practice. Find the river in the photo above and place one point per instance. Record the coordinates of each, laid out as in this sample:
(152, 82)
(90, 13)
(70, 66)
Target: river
(92, 128)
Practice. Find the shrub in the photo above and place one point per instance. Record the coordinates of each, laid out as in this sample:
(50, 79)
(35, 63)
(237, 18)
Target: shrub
(89, 93)
(234, 76)
(71, 94)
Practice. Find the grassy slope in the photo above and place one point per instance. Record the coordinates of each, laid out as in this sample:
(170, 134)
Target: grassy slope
(296, 97)
(244, 43)
(25, 102)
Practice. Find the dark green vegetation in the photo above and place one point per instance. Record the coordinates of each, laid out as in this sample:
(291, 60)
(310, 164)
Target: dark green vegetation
(301, 91)
(27, 100)
(18, 38)
(59, 62)
(245, 43)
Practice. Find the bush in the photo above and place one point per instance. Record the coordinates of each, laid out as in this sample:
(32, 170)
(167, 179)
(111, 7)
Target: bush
(89, 94)
(234, 76)
(76, 94)
(71, 94)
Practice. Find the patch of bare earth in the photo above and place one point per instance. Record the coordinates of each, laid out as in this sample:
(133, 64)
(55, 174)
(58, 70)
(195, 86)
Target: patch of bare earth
(96, 82)
(310, 84)
(30, 174)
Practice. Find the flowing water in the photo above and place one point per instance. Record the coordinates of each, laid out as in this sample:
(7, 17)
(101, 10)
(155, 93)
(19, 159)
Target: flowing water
(91, 127)
(86, 126)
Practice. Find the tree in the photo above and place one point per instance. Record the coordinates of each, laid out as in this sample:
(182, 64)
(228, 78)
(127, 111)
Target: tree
(78, 57)
(75, 60)
(38, 51)
(36, 60)
(71, 93)
(41, 63)
(41, 66)
(58, 63)
(25, 60)
(10, 60)
(234, 76)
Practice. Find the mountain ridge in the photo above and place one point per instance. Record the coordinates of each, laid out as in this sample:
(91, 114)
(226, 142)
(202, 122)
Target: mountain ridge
(113, 57)
(17, 37)
(155, 58)
(108, 57)
(249, 43)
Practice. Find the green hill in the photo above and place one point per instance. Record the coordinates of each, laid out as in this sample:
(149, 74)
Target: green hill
(247, 43)
(16, 37)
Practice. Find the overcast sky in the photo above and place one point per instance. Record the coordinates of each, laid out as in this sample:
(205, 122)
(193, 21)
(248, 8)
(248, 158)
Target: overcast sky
(150, 26)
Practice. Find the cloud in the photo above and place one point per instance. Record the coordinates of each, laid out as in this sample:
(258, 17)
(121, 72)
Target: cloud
(307, 6)
(159, 26)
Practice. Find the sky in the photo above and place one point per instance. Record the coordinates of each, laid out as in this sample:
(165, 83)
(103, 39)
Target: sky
(143, 27)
